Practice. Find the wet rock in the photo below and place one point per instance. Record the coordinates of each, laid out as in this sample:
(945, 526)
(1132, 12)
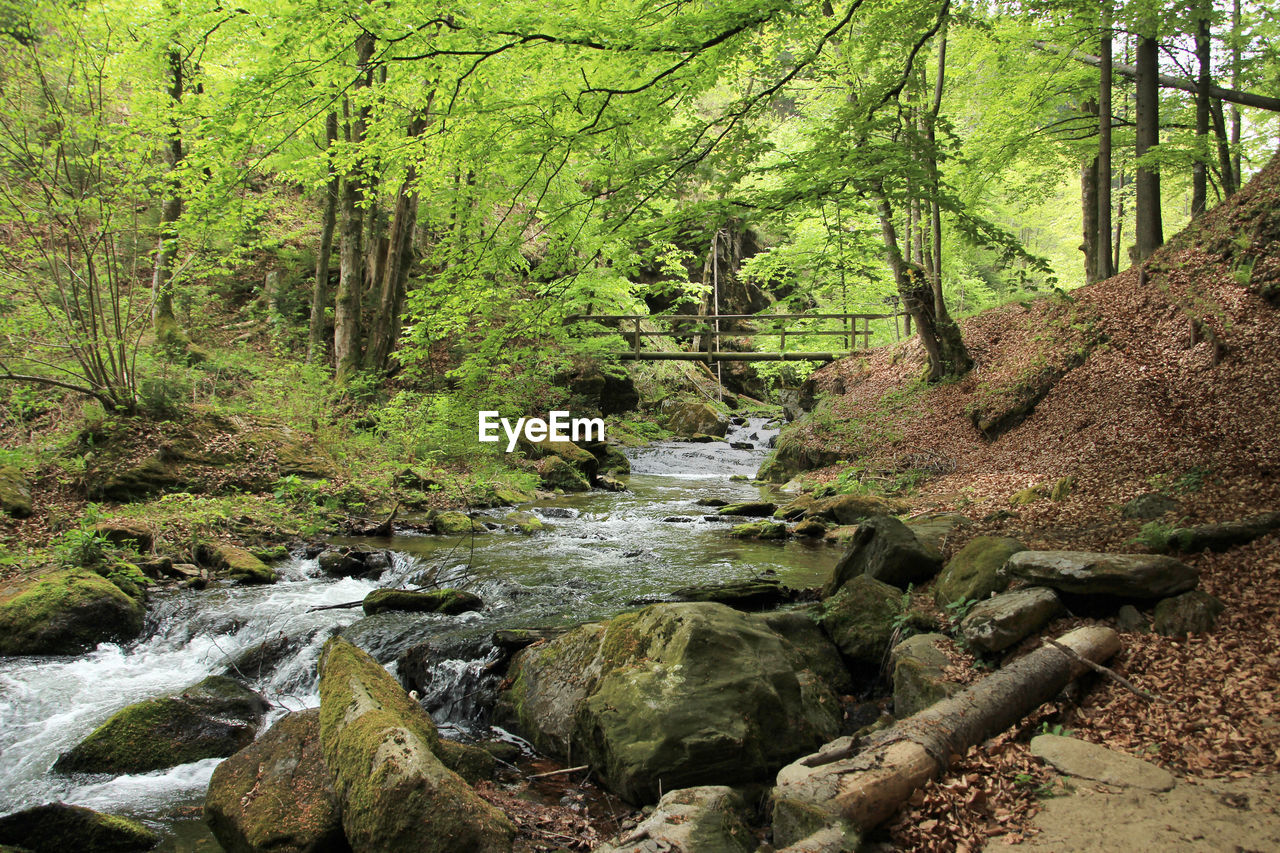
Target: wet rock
(1149, 506)
(795, 509)
(1091, 573)
(610, 459)
(1085, 760)
(997, 623)
(974, 572)
(559, 512)
(850, 509)
(239, 564)
(792, 456)
(841, 535)
(860, 617)
(707, 819)
(712, 502)
(65, 613)
(689, 419)
(275, 794)
(448, 601)
(918, 678)
(753, 509)
(610, 483)
(742, 445)
(340, 563)
(211, 719)
(261, 660)
(1192, 612)
(752, 594)
(15, 493)
(760, 530)
(556, 473)
(457, 676)
(672, 695)
(1223, 536)
(524, 522)
(679, 519)
(389, 767)
(885, 549)
(454, 523)
(60, 828)
(581, 459)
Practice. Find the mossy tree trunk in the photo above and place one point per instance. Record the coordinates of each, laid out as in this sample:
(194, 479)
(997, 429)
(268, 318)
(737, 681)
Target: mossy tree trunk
(162, 317)
(320, 294)
(347, 351)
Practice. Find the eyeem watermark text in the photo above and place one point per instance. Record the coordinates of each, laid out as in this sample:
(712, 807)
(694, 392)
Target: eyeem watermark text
(559, 427)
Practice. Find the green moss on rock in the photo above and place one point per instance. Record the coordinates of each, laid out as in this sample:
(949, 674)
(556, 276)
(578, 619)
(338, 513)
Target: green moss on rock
(435, 601)
(395, 793)
(974, 572)
(15, 493)
(454, 523)
(860, 617)
(239, 565)
(211, 719)
(556, 473)
(60, 828)
(65, 613)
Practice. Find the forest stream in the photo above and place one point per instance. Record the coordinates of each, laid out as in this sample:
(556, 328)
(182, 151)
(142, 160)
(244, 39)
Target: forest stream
(601, 552)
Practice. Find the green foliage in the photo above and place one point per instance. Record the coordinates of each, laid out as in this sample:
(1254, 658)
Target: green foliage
(84, 546)
(1155, 535)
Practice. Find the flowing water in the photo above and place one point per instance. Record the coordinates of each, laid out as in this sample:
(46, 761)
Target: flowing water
(601, 552)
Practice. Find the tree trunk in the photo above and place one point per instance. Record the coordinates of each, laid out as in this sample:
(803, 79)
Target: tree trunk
(162, 318)
(935, 210)
(1200, 169)
(1236, 177)
(940, 337)
(320, 293)
(1148, 229)
(1104, 268)
(1226, 168)
(865, 788)
(1089, 219)
(346, 316)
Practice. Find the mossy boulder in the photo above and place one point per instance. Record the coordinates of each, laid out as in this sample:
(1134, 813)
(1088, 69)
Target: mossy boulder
(15, 493)
(395, 791)
(885, 549)
(556, 473)
(454, 523)
(974, 572)
(696, 418)
(524, 522)
(581, 459)
(936, 530)
(1093, 573)
(1028, 496)
(275, 794)
(60, 828)
(65, 613)
(670, 696)
(760, 530)
(211, 719)
(752, 509)
(434, 601)
(860, 619)
(237, 563)
(612, 460)
(707, 819)
(810, 528)
(850, 509)
(1148, 506)
(793, 454)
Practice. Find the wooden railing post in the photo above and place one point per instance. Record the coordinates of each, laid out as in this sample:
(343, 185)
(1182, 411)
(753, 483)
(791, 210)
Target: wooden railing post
(637, 341)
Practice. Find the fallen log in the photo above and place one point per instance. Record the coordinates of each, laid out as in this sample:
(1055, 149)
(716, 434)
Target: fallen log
(858, 792)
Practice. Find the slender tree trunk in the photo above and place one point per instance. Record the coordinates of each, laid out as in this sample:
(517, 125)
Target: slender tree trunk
(1225, 167)
(1118, 241)
(320, 293)
(162, 318)
(1148, 228)
(1236, 177)
(1200, 169)
(346, 321)
(1104, 269)
(1089, 218)
(948, 356)
(935, 210)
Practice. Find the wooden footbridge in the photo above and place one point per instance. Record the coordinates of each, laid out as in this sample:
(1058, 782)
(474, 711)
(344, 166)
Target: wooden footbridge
(707, 335)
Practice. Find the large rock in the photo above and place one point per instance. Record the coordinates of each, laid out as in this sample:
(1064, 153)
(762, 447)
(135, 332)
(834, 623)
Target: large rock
(706, 819)
(275, 794)
(919, 679)
(936, 530)
(793, 455)
(860, 619)
(850, 509)
(757, 593)
(752, 509)
(65, 613)
(556, 473)
(885, 549)
(15, 493)
(671, 696)
(211, 719)
(697, 418)
(1148, 506)
(581, 459)
(240, 565)
(388, 767)
(436, 601)
(455, 523)
(1193, 612)
(1090, 761)
(997, 623)
(60, 828)
(1090, 573)
(973, 573)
